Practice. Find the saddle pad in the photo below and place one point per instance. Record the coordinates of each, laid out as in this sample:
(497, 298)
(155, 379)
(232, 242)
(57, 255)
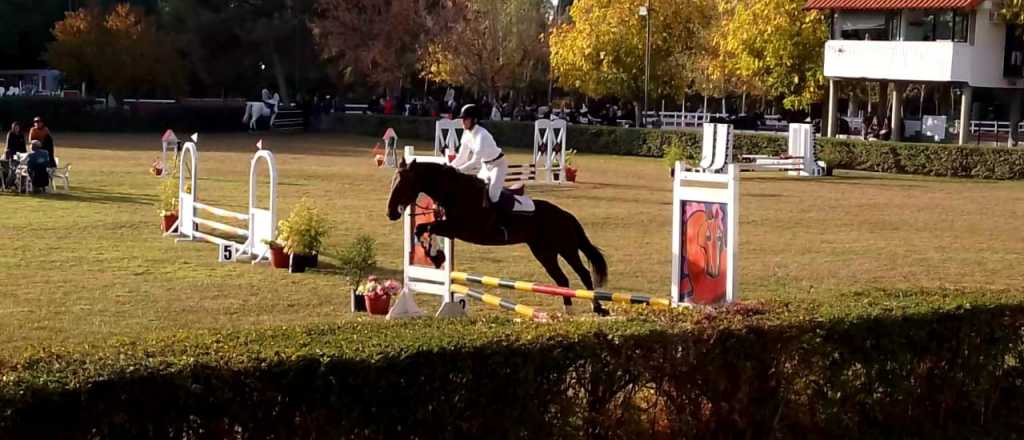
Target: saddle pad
(524, 204)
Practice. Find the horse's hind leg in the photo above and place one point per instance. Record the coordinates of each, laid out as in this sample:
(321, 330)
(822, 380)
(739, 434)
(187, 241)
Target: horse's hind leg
(548, 258)
(573, 259)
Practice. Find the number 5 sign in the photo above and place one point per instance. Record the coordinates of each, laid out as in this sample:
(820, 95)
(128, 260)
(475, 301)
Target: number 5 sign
(227, 254)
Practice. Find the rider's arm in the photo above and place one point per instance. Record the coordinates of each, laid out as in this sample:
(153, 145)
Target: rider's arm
(465, 157)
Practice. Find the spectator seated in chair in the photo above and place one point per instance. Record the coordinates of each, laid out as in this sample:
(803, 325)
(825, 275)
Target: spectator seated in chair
(38, 164)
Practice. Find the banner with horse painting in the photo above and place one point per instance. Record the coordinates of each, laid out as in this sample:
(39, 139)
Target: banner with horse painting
(704, 237)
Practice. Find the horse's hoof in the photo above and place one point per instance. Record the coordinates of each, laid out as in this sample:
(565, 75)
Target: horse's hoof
(602, 312)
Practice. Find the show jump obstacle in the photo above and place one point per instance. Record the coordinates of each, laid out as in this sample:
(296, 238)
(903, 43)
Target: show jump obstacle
(717, 152)
(549, 146)
(251, 242)
(705, 219)
(288, 119)
(169, 142)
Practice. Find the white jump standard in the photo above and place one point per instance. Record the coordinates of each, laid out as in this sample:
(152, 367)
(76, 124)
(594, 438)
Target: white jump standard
(717, 151)
(549, 146)
(261, 223)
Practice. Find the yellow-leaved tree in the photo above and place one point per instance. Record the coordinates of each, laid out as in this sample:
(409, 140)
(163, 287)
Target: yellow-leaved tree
(121, 51)
(601, 51)
(769, 47)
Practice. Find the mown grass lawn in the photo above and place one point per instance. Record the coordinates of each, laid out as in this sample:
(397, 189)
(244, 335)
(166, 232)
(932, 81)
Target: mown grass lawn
(90, 266)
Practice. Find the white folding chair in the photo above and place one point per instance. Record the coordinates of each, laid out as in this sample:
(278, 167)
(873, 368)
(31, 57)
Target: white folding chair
(62, 173)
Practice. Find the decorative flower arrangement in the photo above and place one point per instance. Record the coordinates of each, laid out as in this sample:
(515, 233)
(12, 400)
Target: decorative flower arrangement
(157, 168)
(377, 295)
(304, 231)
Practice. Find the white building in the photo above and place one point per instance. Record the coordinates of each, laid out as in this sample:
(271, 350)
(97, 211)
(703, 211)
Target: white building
(958, 43)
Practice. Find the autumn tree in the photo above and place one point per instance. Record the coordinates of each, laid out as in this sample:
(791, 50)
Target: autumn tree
(769, 47)
(121, 52)
(600, 52)
(378, 40)
(495, 45)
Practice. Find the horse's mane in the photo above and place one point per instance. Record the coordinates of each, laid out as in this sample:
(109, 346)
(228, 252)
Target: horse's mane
(439, 171)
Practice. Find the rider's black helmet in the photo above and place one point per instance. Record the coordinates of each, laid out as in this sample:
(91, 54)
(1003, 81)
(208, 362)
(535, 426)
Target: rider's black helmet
(470, 111)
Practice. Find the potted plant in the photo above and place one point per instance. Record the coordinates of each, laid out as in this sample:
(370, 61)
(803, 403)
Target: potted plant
(570, 165)
(279, 259)
(302, 235)
(377, 295)
(167, 202)
(355, 262)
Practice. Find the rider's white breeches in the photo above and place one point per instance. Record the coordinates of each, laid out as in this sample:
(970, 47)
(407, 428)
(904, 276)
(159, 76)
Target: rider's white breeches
(493, 174)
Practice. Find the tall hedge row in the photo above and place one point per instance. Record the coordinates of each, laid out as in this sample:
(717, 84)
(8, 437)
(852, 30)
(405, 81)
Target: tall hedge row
(746, 372)
(889, 157)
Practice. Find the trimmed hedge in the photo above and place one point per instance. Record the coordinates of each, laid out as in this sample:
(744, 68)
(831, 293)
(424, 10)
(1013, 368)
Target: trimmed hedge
(746, 371)
(888, 157)
(70, 114)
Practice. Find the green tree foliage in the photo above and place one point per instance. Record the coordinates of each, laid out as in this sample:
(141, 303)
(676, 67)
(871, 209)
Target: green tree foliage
(225, 43)
(494, 45)
(121, 51)
(600, 52)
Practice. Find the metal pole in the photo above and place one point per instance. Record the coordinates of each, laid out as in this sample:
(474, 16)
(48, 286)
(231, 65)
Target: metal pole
(647, 61)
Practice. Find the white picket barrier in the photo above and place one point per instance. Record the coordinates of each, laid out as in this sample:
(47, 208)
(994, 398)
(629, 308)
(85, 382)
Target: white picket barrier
(549, 145)
(261, 223)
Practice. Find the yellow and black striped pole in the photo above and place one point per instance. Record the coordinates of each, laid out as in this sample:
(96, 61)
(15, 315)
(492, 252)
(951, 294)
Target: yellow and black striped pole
(524, 286)
(527, 311)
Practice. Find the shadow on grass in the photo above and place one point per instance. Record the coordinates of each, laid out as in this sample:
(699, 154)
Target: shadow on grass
(86, 195)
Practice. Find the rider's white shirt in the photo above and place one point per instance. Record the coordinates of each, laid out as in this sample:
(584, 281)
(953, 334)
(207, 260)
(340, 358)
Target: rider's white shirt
(478, 147)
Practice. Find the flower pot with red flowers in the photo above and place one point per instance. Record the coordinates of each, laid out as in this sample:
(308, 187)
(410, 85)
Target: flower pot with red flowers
(570, 166)
(302, 235)
(355, 261)
(377, 295)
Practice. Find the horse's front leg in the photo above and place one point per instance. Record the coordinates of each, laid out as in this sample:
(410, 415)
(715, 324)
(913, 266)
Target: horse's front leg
(441, 228)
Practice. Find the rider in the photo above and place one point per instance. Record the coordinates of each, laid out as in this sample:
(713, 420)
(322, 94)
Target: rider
(269, 101)
(478, 151)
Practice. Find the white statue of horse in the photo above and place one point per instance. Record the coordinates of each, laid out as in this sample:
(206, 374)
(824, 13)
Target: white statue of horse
(256, 110)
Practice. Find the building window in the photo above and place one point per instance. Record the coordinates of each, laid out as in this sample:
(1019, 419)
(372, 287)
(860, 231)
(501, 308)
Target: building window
(936, 26)
(858, 25)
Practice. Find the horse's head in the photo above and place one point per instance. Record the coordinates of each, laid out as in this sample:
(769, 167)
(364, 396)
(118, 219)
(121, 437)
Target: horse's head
(712, 241)
(404, 190)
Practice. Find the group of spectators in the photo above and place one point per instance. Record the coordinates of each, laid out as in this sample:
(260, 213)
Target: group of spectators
(35, 153)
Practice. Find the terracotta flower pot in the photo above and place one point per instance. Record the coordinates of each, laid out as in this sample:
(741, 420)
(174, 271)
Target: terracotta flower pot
(378, 304)
(570, 174)
(168, 221)
(278, 257)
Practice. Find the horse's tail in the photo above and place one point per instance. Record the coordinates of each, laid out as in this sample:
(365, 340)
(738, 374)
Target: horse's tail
(598, 266)
(245, 118)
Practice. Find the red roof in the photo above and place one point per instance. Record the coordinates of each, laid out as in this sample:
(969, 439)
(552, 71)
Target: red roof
(866, 5)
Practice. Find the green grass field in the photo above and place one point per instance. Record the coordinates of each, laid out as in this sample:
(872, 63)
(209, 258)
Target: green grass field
(90, 266)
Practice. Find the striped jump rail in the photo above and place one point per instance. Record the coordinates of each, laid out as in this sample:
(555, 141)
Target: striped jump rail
(523, 286)
(527, 311)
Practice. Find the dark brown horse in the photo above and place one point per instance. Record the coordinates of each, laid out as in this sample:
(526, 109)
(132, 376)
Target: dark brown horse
(549, 231)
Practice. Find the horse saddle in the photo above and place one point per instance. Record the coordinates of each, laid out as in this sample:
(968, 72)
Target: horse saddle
(511, 203)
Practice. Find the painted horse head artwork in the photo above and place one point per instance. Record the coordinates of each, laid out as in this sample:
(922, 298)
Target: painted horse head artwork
(706, 259)
(549, 231)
